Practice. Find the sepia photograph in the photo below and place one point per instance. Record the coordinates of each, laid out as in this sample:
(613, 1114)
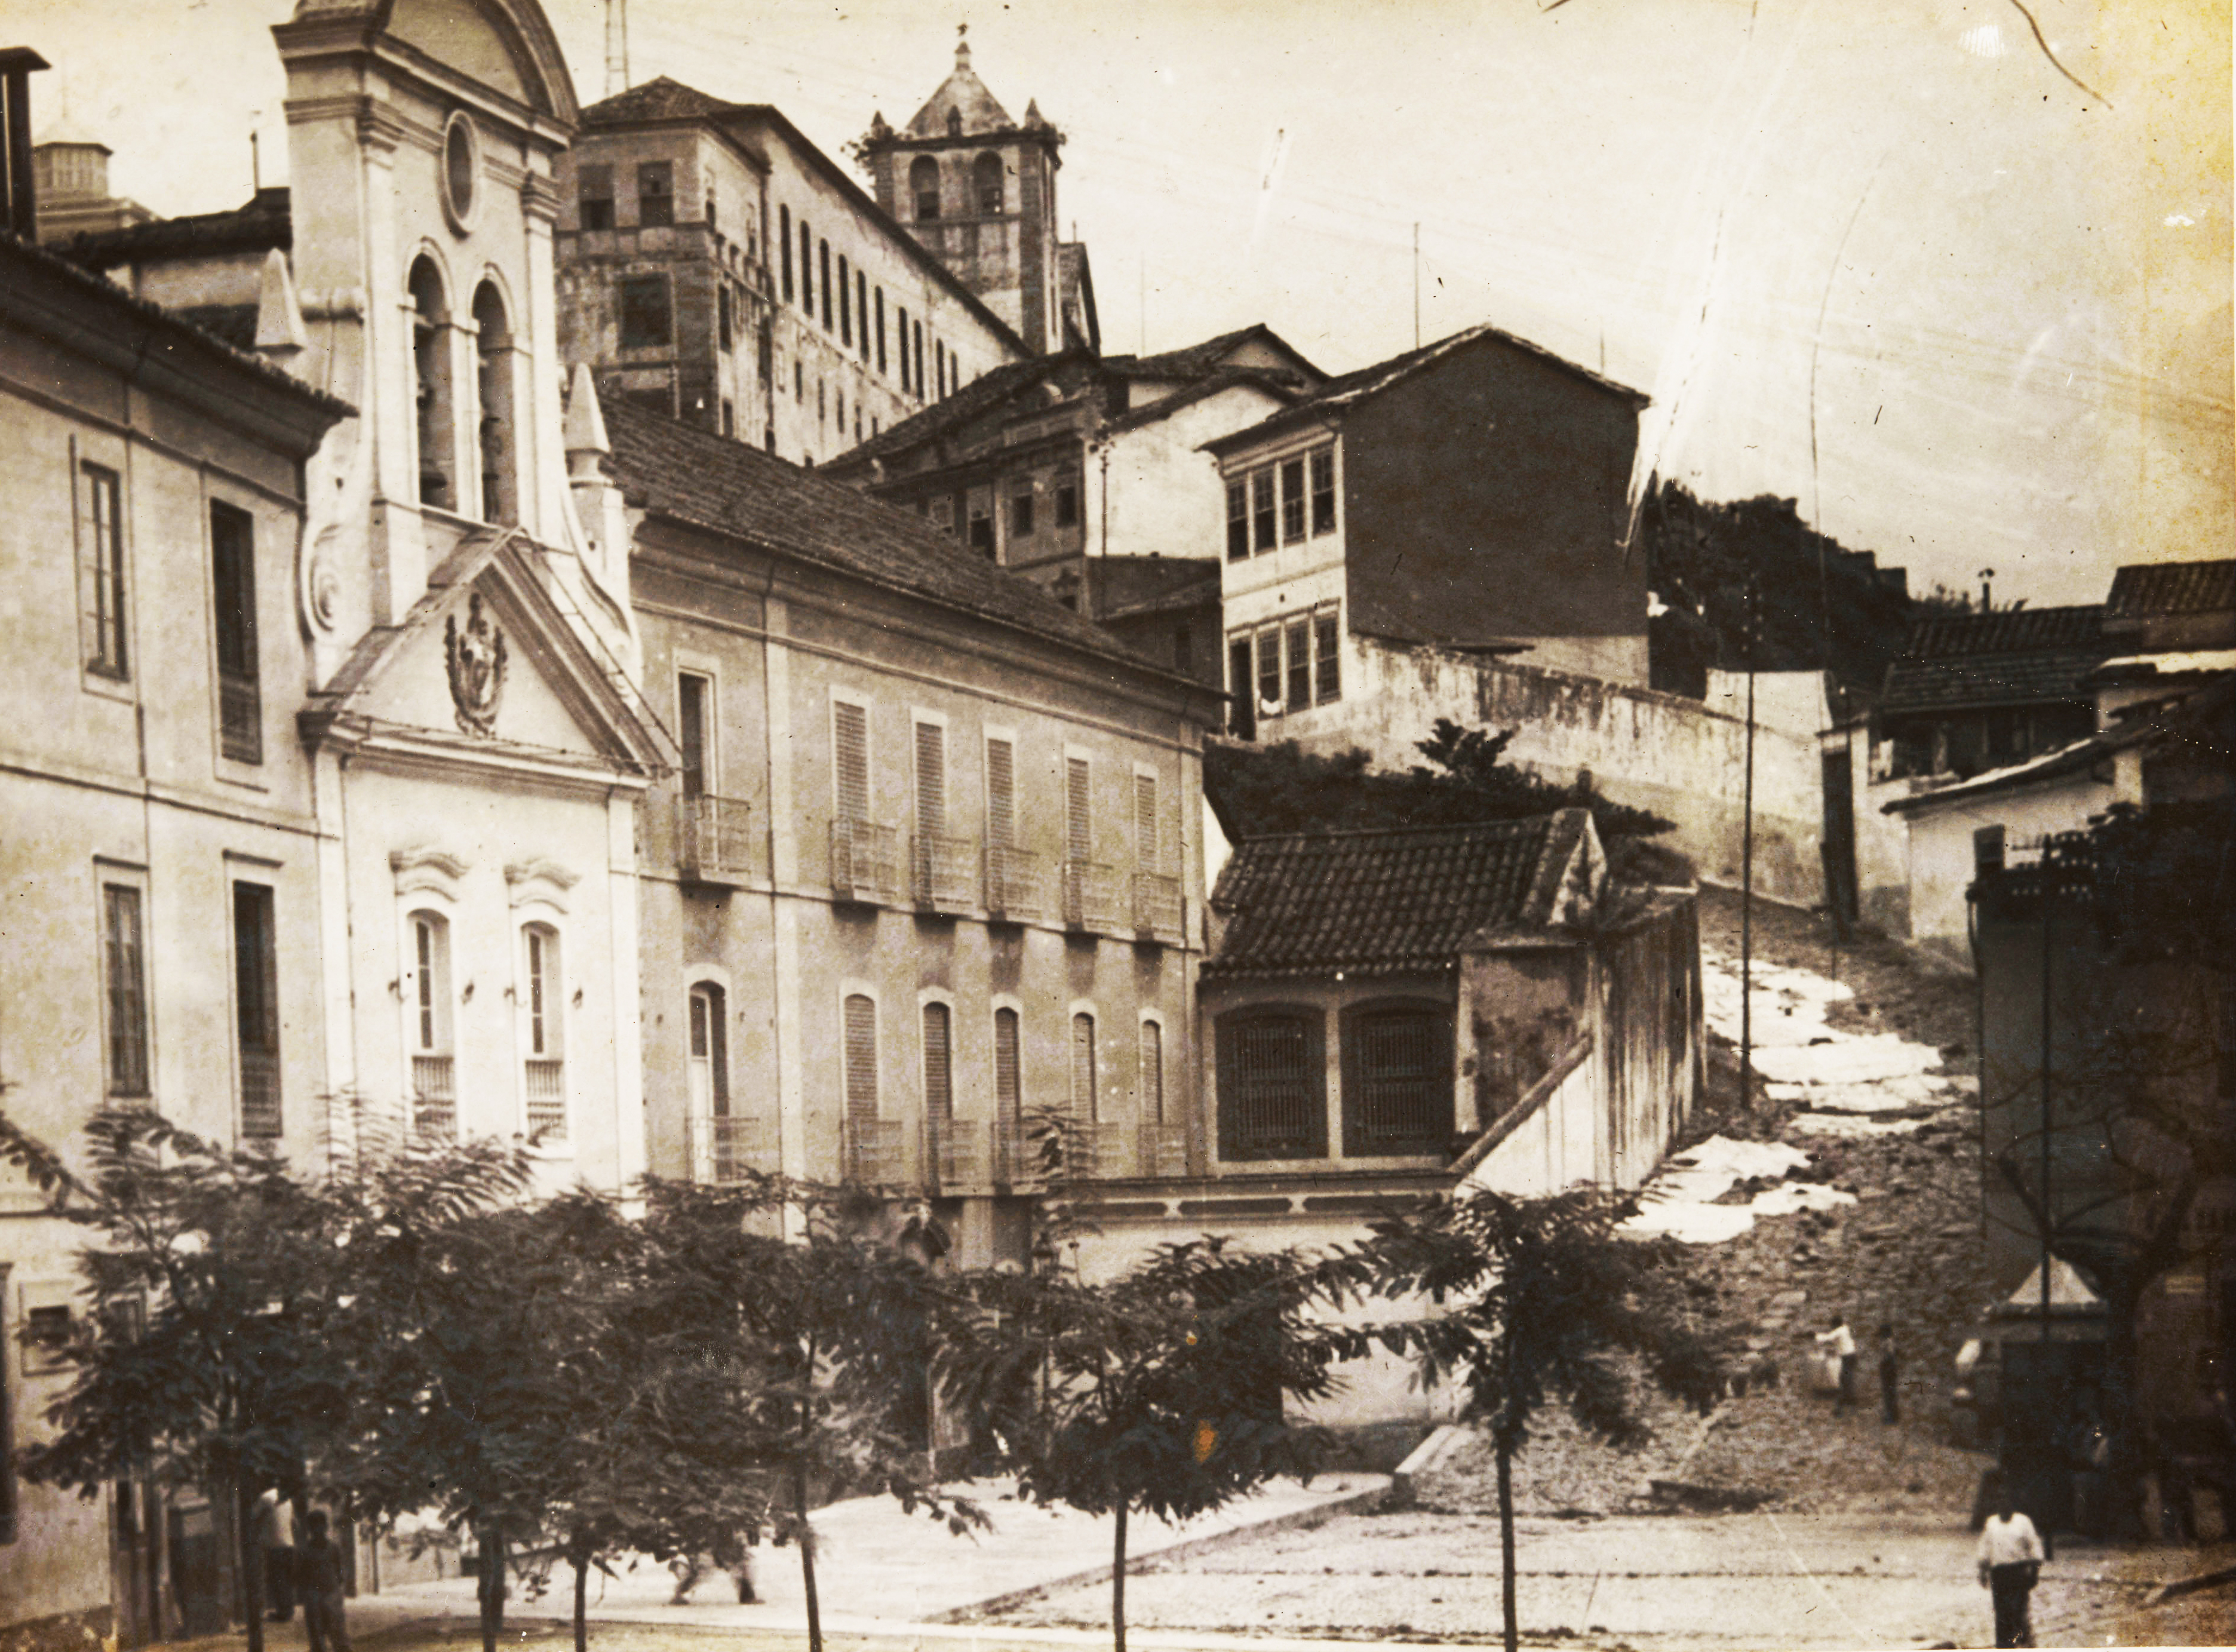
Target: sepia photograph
(1219, 824)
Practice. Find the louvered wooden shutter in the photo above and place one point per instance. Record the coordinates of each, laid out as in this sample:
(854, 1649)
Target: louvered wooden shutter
(850, 755)
(931, 779)
(1152, 1073)
(861, 1056)
(1001, 793)
(1008, 1105)
(1145, 822)
(1082, 1069)
(1079, 824)
(938, 1073)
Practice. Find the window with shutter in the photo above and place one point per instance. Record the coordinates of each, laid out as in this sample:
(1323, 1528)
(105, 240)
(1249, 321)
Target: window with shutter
(1001, 793)
(125, 966)
(1152, 1073)
(1146, 846)
(931, 779)
(232, 589)
(1082, 1069)
(1272, 1084)
(1009, 1106)
(1396, 1079)
(1078, 822)
(850, 758)
(256, 996)
(938, 1077)
(861, 1059)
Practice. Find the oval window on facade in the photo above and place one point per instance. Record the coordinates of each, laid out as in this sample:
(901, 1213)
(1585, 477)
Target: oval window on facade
(462, 168)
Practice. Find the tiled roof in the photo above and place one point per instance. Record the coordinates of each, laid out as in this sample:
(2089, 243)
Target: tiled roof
(235, 323)
(1278, 383)
(982, 394)
(2146, 590)
(962, 93)
(264, 222)
(722, 485)
(177, 330)
(1384, 902)
(1339, 393)
(2015, 657)
(659, 99)
(1195, 360)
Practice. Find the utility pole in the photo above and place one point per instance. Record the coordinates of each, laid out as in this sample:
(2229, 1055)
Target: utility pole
(1747, 860)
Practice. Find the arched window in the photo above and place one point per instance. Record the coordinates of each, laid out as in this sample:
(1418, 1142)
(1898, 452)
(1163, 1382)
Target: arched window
(924, 186)
(1008, 1103)
(1152, 1073)
(427, 982)
(1396, 1079)
(1272, 1084)
(1082, 1069)
(431, 374)
(542, 1049)
(500, 486)
(709, 1053)
(986, 182)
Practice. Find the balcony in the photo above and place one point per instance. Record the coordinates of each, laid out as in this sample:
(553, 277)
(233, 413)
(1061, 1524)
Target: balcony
(875, 1155)
(1102, 1147)
(1017, 884)
(713, 838)
(726, 1149)
(1157, 907)
(865, 862)
(434, 1097)
(1016, 1160)
(260, 1091)
(960, 1155)
(946, 872)
(1163, 1151)
(1090, 895)
(546, 1099)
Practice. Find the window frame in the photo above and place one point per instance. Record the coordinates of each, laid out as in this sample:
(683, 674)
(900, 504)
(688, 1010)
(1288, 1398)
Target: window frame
(1353, 1036)
(715, 998)
(861, 706)
(1292, 472)
(1020, 511)
(1321, 460)
(642, 283)
(233, 590)
(256, 949)
(594, 210)
(925, 166)
(649, 174)
(1310, 1021)
(1327, 654)
(127, 1006)
(784, 244)
(540, 959)
(108, 653)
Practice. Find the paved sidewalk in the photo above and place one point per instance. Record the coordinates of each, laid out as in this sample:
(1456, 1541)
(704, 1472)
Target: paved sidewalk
(880, 1572)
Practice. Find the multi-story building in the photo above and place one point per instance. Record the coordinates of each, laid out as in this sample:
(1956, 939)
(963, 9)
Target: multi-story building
(978, 191)
(932, 860)
(717, 267)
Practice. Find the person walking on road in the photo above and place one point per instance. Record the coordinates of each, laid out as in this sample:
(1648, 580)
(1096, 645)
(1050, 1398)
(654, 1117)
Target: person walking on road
(1843, 1343)
(2010, 1563)
(318, 1582)
(1890, 1378)
(275, 1526)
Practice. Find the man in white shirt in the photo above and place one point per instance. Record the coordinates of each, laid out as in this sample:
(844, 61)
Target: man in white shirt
(1843, 1342)
(2010, 1561)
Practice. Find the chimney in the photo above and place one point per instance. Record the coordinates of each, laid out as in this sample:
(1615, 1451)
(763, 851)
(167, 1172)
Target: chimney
(17, 192)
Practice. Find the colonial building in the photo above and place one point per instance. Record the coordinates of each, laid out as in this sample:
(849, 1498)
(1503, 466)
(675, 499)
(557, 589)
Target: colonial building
(717, 267)
(977, 190)
(932, 860)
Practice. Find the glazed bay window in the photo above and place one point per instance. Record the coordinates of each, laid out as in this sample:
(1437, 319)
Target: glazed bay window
(256, 999)
(1299, 664)
(1272, 1084)
(233, 591)
(656, 194)
(646, 316)
(543, 1078)
(593, 197)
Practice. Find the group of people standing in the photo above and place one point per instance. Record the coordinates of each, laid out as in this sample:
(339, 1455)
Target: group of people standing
(1841, 1342)
(311, 1572)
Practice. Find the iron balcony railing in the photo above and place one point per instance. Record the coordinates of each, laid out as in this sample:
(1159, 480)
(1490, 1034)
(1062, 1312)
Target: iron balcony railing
(1090, 895)
(546, 1099)
(1157, 906)
(1017, 1163)
(260, 1091)
(434, 1097)
(714, 838)
(1162, 1151)
(875, 1152)
(865, 862)
(960, 1154)
(946, 872)
(724, 1150)
(1017, 883)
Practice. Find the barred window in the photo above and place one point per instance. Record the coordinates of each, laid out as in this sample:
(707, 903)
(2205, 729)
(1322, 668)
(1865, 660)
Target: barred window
(1272, 1084)
(1396, 1079)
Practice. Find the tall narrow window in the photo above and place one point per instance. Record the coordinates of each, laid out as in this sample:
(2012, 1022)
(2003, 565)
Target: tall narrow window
(938, 1065)
(846, 305)
(434, 1077)
(860, 1056)
(1241, 700)
(694, 704)
(862, 309)
(806, 268)
(1269, 670)
(494, 435)
(1078, 817)
(881, 329)
(709, 1057)
(124, 977)
(823, 275)
(656, 194)
(431, 362)
(1082, 1069)
(1152, 1073)
(940, 367)
(232, 594)
(1261, 508)
(1067, 502)
(1020, 511)
(1323, 491)
(930, 811)
(593, 197)
(1327, 649)
(1238, 519)
(1292, 502)
(102, 558)
(850, 759)
(981, 526)
(784, 246)
(1001, 793)
(919, 357)
(986, 177)
(544, 1067)
(1146, 848)
(1300, 665)
(900, 315)
(1008, 1100)
(256, 997)
(726, 319)
(924, 186)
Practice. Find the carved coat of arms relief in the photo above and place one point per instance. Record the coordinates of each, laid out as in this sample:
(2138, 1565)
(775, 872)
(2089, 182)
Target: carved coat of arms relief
(475, 654)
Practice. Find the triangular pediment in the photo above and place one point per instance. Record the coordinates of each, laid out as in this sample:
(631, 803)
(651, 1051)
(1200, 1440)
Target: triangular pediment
(486, 662)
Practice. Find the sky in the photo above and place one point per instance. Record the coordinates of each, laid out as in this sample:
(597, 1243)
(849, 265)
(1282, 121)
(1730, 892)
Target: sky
(1960, 291)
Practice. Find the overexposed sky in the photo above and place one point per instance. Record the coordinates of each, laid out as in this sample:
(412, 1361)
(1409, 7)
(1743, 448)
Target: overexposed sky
(1880, 256)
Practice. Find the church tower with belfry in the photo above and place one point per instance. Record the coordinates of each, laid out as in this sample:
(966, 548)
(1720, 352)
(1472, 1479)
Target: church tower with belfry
(977, 190)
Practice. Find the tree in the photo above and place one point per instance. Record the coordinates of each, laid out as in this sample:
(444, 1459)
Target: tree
(1160, 1392)
(201, 1363)
(1544, 1301)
